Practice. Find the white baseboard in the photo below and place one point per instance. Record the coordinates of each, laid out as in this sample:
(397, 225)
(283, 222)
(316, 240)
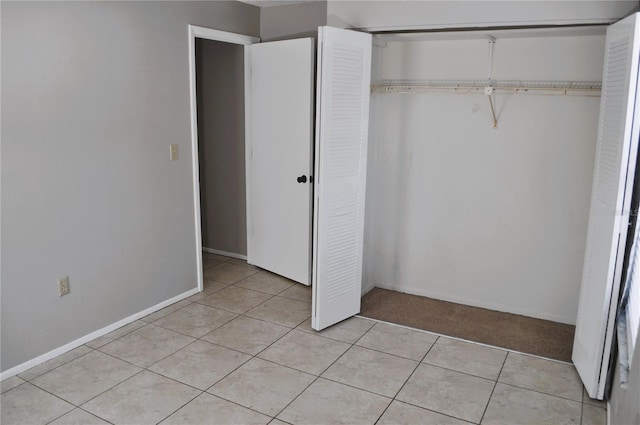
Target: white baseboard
(473, 303)
(93, 335)
(224, 253)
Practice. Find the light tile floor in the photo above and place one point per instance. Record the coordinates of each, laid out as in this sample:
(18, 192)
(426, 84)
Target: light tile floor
(243, 352)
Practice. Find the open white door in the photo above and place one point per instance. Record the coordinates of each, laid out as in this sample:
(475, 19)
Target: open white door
(615, 164)
(279, 158)
(342, 117)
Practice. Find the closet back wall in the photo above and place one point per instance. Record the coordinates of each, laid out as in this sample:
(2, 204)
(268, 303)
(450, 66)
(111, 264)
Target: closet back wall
(459, 211)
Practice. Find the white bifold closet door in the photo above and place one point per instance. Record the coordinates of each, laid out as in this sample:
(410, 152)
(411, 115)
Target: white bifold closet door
(342, 119)
(279, 157)
(616, 154)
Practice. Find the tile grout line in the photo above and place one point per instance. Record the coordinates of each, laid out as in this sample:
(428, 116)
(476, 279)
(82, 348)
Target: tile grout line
(460, 372)
(289, 331)
(109, 389)
(79, 406)
(228, 311)
(255, 356)
(268, 361)
(187, 402)
(316, 376)
(60, 398)
(466, 340)
(251, 356)
(540, 392)
(13, 388)
(495, 384)
(351, 345)
(286, 289)
(146, 369)
(179, 349)
(142, 369)
(421, 362)
(435, 411)
(394, 398)
(237, 404)
(508, 351)
(223, 309)
(57, 367)
(109, 422)
(407, 380)
(197, 338)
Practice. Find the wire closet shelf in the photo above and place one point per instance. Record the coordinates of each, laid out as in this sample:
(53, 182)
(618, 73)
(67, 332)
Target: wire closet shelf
(490, 87)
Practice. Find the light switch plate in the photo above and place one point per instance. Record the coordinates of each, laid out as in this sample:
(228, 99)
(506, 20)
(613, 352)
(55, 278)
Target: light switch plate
(173, 152)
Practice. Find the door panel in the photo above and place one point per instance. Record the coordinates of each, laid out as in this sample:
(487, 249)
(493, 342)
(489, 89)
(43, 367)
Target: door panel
(342, 116)
(616, 153)
(279, 151)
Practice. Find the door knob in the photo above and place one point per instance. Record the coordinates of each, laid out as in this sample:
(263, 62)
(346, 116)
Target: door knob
(302, 179)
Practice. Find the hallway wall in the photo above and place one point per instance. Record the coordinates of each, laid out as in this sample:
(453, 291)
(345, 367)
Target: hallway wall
(221, 144)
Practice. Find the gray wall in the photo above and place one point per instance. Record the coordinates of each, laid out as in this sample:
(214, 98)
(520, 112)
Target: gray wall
(292, 20)
(220, 92)
(93, 93)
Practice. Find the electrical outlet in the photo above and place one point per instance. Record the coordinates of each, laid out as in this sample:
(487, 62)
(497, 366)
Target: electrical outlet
(173, 152)
(63, 286)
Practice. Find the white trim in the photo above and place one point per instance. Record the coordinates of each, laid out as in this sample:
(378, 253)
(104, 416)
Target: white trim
(248, 151)
(224, 253)
(225, 36)
(412, 290)
(216, 35)
(93, 335)
(480, 25)
(194, 156)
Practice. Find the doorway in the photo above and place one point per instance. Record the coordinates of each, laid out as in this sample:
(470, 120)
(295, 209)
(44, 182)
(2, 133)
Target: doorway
(221, 150)
(232, 41)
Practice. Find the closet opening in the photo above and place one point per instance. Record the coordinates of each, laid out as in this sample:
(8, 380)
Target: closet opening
(480, 171)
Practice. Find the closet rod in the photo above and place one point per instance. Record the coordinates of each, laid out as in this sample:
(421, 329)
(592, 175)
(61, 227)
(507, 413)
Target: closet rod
(558, 88)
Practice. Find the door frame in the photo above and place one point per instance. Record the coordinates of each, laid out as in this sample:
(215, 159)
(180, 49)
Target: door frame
(226, 37)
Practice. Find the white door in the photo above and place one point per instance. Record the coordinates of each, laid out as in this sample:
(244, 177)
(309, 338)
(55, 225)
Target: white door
(279, 158)
(342, 117)
(616, 153)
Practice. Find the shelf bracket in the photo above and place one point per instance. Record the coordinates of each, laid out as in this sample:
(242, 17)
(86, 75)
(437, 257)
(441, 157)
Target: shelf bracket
(492, 49)
(489, 89)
